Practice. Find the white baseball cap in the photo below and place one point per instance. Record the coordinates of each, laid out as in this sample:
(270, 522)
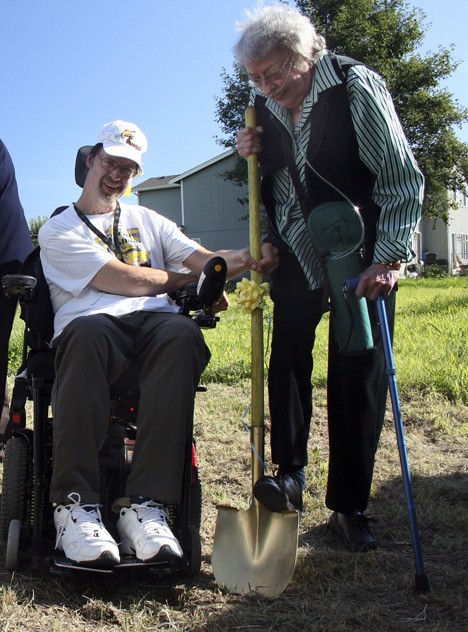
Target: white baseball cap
(125, 140)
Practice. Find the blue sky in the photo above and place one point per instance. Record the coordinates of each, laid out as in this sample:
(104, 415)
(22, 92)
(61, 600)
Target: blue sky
(69, 66)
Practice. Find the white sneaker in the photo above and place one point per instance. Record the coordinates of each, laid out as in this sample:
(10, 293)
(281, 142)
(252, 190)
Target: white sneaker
(82, 536)
(144, 532)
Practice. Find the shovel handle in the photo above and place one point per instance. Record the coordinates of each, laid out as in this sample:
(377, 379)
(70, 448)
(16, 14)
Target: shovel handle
(254, 194)
(257, 379)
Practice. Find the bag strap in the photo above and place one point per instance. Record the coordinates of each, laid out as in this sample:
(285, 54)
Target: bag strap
(341, 65)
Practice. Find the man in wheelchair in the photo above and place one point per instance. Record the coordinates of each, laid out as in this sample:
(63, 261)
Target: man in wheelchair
(110, 267)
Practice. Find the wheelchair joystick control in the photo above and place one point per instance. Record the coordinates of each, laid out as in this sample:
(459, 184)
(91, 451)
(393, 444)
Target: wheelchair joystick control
(212, 280)
(196, 300)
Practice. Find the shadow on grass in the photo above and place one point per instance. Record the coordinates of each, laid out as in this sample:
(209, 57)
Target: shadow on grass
(332, 588)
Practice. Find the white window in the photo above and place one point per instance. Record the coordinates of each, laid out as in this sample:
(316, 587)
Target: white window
(460, 245)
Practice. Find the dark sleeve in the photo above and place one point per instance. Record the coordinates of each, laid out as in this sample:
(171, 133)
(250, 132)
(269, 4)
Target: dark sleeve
(15, 240)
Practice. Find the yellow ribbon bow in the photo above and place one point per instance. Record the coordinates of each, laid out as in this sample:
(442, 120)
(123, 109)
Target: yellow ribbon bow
(251, 295)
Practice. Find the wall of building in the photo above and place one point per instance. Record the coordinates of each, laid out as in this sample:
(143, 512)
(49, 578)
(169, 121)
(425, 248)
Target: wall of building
(434, 238)
(166, 201)
(459, 218)
(206, 205)
(212, 210)
(448, 240)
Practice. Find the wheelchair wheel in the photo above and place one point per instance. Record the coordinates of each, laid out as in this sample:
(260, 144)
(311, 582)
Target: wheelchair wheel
(195, 504)
(195, 553)
(14, 487)
(13, 545)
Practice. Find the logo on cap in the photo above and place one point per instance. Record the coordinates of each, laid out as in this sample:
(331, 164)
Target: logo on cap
(128, 136)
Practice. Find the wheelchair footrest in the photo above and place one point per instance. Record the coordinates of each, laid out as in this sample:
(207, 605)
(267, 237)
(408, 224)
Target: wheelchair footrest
(62, 562)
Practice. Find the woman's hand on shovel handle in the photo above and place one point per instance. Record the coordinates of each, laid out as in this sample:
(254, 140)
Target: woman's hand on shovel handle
(249, 141)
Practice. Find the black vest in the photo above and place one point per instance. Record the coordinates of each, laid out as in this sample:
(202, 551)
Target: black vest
(332, 150)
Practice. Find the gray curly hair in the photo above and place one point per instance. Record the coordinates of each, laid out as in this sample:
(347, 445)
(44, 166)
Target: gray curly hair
(277, 27)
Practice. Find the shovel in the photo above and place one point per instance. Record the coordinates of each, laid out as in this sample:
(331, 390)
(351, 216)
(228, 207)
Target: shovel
(255, 549)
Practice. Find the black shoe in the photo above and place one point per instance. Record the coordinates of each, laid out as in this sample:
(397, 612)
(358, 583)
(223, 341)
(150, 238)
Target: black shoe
(353, 528)
(279, 493)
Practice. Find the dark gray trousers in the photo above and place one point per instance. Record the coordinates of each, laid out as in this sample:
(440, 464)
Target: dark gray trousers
(356, 391)
(92, 353)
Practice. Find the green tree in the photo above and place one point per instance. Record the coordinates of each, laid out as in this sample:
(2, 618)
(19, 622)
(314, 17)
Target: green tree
(230, 112)
(34, 225)
(385, 35)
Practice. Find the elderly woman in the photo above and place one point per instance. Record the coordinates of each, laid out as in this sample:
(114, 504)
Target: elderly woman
(327, 134)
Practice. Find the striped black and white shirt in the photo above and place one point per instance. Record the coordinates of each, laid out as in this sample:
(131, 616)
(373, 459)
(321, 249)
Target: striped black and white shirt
(383, 148)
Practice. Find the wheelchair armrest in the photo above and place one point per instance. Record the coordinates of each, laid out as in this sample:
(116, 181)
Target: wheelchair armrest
(21, 285)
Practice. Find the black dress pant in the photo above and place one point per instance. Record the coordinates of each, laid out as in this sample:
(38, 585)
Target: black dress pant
(356, 390)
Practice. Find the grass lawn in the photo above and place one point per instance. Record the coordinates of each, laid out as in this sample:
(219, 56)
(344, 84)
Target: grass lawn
(332, 589)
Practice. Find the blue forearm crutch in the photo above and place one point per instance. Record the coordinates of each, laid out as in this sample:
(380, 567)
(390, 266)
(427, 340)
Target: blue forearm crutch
(421, 581)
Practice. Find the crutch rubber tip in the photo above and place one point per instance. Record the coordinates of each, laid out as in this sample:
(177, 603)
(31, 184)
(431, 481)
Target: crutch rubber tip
(421, 584)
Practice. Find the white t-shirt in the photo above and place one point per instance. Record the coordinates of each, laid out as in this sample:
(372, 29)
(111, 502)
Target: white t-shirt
(72, 254)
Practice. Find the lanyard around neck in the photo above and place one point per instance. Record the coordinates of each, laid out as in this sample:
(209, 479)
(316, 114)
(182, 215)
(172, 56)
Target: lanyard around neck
(112, 244)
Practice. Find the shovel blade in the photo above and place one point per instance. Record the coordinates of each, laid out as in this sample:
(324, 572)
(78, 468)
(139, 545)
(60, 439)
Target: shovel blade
(255, 550)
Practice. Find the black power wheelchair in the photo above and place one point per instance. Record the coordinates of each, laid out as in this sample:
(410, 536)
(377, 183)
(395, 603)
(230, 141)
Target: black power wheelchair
(26, 515)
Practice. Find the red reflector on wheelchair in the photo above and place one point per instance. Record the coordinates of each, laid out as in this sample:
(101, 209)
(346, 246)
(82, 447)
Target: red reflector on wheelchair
(194, 456)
